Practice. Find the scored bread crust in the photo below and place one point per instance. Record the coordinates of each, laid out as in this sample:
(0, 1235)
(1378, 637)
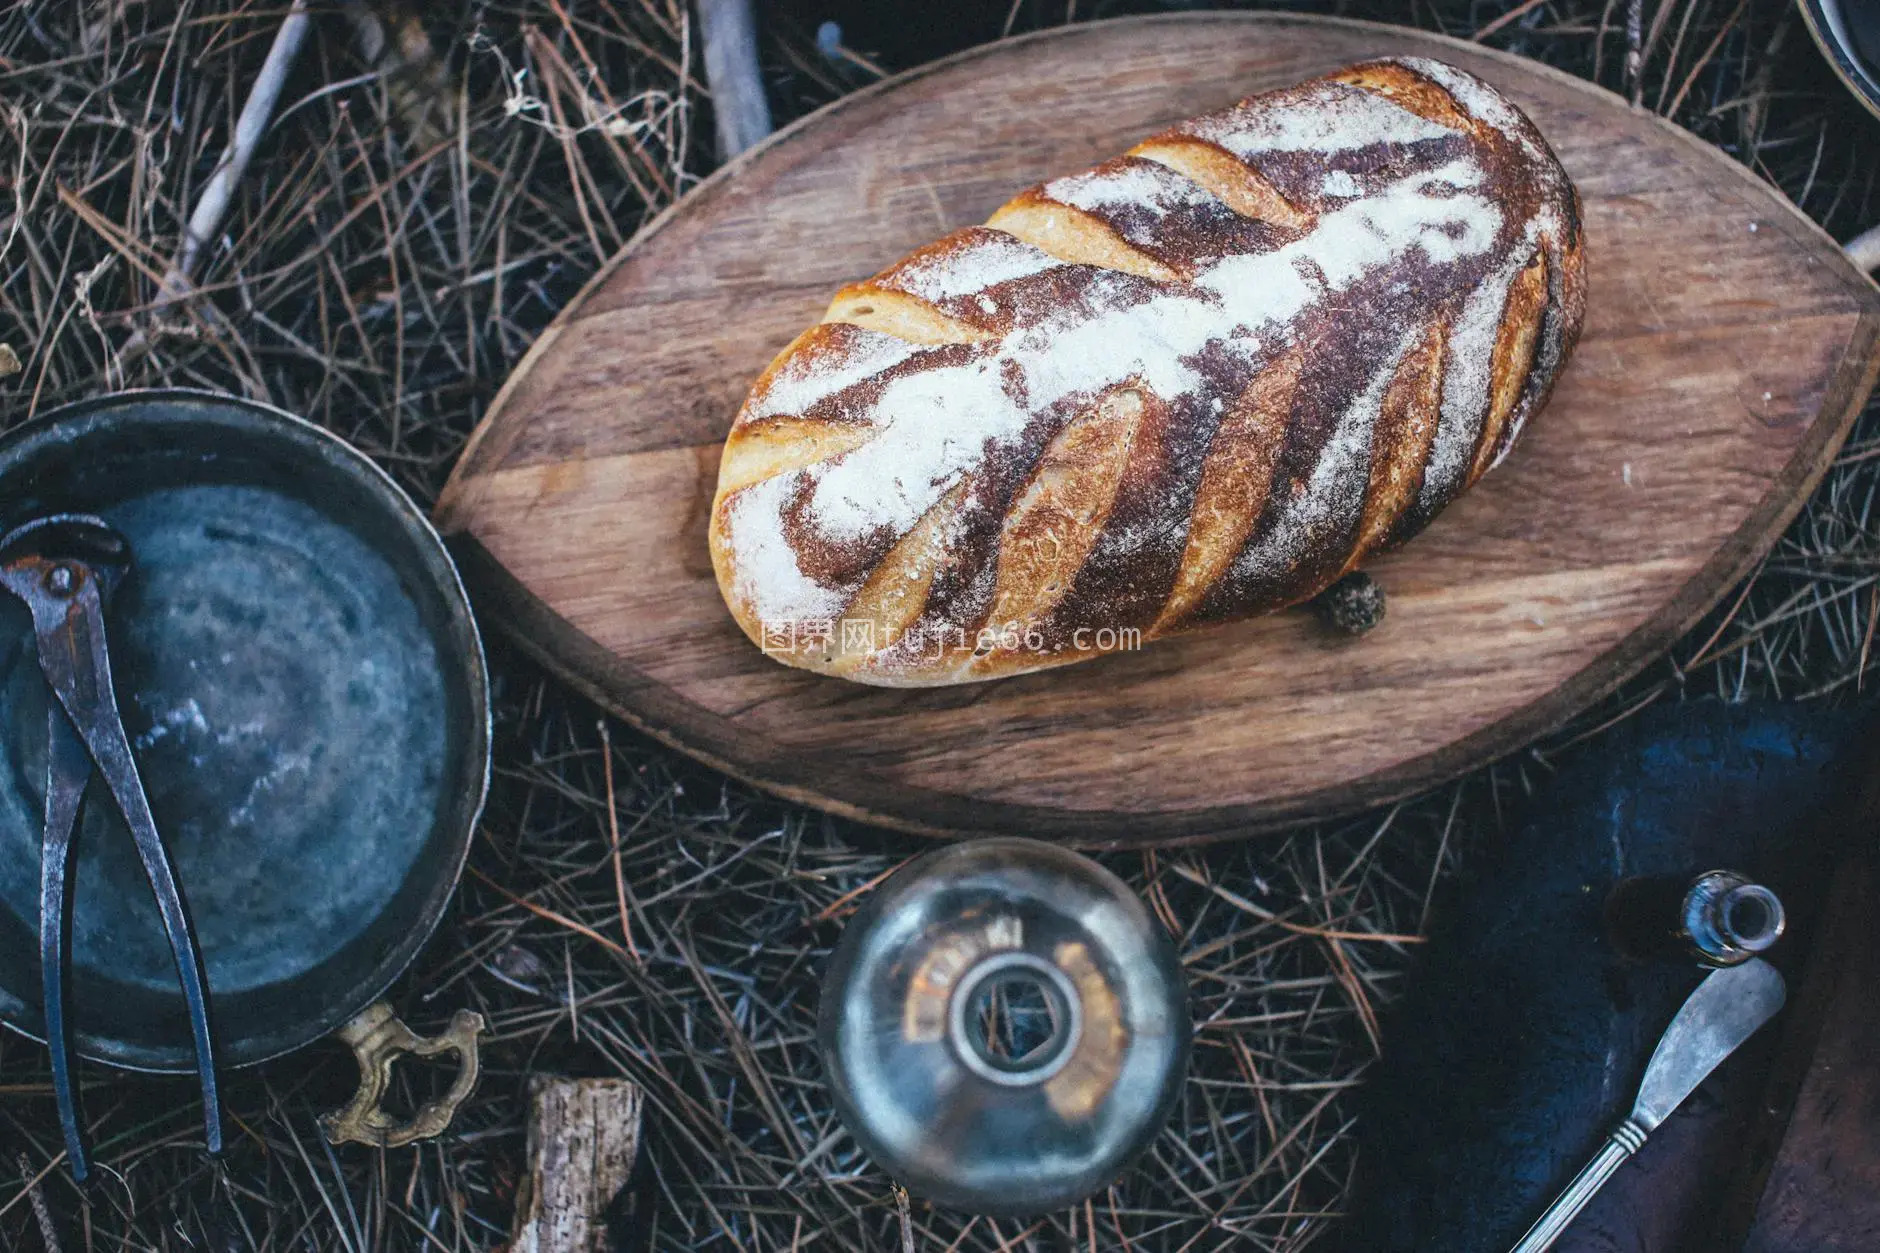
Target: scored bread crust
(1198, 382)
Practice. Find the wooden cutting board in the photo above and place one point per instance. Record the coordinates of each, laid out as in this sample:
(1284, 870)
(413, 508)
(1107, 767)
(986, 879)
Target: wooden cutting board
(1728, 346)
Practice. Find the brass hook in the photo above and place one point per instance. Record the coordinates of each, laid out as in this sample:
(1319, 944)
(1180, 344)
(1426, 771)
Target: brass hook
(377, 1038)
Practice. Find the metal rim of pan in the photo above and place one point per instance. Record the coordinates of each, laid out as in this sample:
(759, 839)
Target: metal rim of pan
(1830, 33)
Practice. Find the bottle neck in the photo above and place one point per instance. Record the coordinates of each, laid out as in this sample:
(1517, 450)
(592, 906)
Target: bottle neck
(1718, 918)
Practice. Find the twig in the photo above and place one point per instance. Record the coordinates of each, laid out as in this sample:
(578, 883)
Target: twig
(560, 920)
(1519, 11)
(1866, 643)
(43, 1215)
(1864, 249)
(1690, 80)
(31, 1188)
(1297, 928)
(1635, 49)
(907, 1220)
(213, 204)
(613, 833)
(738, 101)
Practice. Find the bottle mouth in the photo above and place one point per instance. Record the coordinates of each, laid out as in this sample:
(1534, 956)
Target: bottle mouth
(1750, 917)
(1729, 918)
(1015, 1019)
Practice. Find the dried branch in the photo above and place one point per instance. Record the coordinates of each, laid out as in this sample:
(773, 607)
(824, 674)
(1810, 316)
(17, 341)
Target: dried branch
(1864, 249)
(213, 205)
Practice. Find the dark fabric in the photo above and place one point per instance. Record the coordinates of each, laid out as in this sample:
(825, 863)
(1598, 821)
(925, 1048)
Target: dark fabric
(1523, 1037)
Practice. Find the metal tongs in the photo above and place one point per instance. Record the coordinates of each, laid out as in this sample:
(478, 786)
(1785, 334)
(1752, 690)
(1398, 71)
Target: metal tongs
(65, 568)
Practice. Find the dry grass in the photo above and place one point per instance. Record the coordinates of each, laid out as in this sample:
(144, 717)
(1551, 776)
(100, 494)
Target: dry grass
(411, 222)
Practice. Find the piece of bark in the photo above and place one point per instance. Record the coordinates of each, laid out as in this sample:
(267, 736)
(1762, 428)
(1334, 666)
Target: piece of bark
(1813, 1167)
(584, 1138)
(1823, 1194)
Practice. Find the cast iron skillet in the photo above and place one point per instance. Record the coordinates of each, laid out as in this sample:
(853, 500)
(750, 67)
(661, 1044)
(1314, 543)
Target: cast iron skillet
(1848, 32)
(298, 669)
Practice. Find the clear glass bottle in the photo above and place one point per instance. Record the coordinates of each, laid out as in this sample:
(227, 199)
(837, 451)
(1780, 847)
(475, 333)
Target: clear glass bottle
(1720, 918)
(1004, 1026)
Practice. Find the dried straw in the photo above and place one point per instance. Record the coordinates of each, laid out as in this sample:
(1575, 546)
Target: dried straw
(438, 181)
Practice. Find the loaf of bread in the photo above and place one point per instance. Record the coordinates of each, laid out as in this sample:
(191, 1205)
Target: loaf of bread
(1198, 382)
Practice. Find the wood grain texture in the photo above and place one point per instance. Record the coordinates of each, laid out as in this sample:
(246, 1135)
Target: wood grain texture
(584, 1139)
(1813, 1161)
(1728, 346)
(1823, 1193)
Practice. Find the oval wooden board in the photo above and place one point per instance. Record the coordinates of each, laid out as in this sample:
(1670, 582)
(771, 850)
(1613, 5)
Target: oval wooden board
(1728, 347)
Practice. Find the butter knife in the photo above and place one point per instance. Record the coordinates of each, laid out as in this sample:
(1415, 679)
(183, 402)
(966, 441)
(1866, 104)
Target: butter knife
(1725, 1010)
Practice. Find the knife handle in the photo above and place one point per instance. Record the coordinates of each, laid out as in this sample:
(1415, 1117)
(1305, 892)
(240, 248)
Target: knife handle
(1625, 1140)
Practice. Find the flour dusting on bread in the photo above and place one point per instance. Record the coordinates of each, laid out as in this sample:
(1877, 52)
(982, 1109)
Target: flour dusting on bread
(798, 384)
(1466, 381)
(1129, 182)
(935, 424)
(986, 259)
(1319, 118)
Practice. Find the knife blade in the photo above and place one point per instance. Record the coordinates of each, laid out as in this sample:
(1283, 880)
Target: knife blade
(1726, 1009)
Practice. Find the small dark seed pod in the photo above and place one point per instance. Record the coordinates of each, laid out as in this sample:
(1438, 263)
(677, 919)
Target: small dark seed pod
(1354, 604)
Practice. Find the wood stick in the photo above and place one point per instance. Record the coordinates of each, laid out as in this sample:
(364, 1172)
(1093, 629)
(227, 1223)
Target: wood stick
(257, 111)
(1515, 14)
(1864, 249)
(41, 1212)
(212, 205)
(584, 1138)
(1634, 48)
(737, 89)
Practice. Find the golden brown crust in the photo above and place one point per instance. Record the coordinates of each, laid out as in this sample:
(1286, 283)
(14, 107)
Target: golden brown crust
(1072, 234)
(1235, 480)
(1236, 184)
(1056, 517)
(1406, 87)
(1406, 431)
(1196, 382)
(1513, 359)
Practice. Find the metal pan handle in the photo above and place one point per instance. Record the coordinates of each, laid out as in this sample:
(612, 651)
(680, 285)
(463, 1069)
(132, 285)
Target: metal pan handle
(377, 1038)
